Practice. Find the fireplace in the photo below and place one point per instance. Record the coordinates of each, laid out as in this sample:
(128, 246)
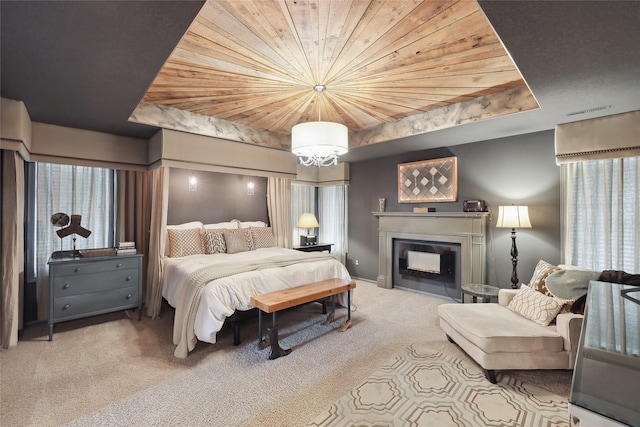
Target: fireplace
(427, 266)
(438, 252)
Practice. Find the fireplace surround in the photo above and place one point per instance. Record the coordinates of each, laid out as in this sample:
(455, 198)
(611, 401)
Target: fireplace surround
(465, 231)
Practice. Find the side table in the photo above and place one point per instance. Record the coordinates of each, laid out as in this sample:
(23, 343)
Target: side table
(319, 247)
(486, 292)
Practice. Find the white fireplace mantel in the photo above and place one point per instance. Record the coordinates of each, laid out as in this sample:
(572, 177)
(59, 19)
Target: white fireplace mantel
(465, 228)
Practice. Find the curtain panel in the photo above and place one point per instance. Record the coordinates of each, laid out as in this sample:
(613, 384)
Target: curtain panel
(279, 209)
(303, 200)
(12, 247)
(332, 207)
(601, 203)
(133, 217)
(158, 229)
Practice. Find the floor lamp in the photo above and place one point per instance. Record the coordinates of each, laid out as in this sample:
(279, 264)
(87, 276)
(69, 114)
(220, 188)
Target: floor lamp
(513, 217)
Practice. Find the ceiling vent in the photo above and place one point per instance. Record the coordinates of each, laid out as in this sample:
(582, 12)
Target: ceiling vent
(590, 110)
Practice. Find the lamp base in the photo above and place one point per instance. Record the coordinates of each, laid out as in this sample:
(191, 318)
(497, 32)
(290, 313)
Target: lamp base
(514, 260)
(308, 240)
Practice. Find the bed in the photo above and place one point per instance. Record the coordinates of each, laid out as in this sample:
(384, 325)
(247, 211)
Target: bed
(208, 286)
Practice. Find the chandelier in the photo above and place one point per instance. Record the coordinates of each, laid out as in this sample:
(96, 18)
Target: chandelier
(319, 143)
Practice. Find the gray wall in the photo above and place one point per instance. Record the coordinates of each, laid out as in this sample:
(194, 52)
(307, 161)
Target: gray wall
(220, 197)
(515, 170)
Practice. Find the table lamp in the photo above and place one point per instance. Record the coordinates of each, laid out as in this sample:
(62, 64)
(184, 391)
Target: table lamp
(308, 220)
(513, 217)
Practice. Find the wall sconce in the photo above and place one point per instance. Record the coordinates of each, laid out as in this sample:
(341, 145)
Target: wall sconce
(193, 182)
(250, 188)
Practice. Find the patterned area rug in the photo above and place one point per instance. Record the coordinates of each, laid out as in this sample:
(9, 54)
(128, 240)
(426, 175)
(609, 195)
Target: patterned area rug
(424, 387)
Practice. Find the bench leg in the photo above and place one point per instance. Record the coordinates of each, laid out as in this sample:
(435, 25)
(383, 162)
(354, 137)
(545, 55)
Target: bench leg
(276, 350)
(347, 324)
(262, 342)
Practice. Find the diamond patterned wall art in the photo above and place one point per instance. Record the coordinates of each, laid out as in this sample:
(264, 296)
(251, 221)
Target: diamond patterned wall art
(433, 180)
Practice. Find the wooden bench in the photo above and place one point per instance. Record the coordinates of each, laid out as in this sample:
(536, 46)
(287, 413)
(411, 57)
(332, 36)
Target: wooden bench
(273, 302)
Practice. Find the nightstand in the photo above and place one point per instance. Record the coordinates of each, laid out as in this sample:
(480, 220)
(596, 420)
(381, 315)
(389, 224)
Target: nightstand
(320, 247)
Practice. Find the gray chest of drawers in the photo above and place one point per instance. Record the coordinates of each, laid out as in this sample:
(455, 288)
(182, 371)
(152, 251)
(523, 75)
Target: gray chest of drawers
(82, 287)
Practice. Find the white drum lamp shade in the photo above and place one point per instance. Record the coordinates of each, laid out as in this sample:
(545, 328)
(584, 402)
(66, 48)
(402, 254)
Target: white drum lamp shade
(319, 143)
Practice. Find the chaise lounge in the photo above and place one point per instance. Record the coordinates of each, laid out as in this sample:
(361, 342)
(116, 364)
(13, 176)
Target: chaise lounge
(526, 329)
(498, 338)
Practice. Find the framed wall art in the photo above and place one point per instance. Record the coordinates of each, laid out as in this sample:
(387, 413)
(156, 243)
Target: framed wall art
(433, 180)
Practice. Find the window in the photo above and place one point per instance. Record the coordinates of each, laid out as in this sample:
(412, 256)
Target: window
(329, 204)
(332, 207)
(602, 214)
(303, 200)
(73, 190)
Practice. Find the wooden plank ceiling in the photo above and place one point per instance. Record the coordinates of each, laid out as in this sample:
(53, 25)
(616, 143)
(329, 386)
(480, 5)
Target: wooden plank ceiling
(255, 62)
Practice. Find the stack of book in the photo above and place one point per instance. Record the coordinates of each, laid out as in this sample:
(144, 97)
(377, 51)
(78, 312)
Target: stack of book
(126, 248)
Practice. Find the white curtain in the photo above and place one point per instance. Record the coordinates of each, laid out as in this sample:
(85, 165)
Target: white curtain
(278, 204)
(602, 214)
(158, 228)
(12, 168)
(332, 208)
(73, 190)
(303, 200)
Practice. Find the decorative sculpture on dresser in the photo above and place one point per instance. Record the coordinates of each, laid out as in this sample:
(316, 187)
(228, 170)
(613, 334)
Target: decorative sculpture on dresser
(74, 228)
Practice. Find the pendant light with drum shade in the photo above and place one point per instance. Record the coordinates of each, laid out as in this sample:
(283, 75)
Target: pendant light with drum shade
(319, 143)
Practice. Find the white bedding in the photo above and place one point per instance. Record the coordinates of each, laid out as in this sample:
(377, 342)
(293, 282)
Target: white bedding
(221, 297)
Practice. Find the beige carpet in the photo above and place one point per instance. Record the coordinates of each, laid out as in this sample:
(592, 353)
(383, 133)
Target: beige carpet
(424, 387)
(114, 370)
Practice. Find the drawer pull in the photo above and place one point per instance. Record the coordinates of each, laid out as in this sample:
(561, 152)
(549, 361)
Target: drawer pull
(66, 307)
(66, 286)
(129, 296)
(119, 265)
(128, 278)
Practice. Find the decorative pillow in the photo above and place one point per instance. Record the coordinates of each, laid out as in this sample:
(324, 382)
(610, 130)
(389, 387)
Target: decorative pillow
(262, 237)
(540, 273)
(569, 285)
(222, 226)
(247, 224)
(184, 242)
(213, 241)
(238, 241)
(535, 306)
(192, 224)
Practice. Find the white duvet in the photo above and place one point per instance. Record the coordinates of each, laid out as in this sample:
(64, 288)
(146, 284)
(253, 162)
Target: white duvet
(221, 297)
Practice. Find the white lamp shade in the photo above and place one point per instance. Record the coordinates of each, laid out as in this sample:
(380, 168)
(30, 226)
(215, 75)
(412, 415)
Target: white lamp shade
(513, 217)
(307, 220)
(319, 139)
